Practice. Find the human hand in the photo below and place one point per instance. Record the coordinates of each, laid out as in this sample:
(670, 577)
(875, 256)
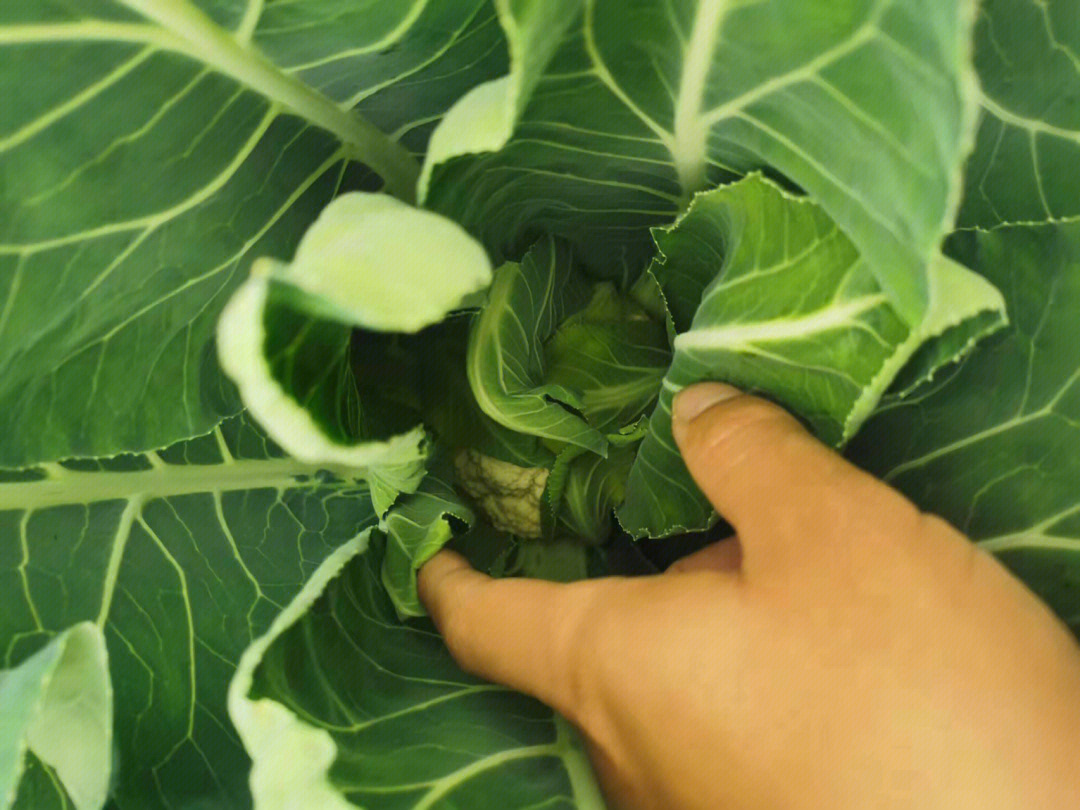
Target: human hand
(845, 651)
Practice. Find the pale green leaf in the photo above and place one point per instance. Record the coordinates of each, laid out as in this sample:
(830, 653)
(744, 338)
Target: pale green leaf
(373, 262)
(417, 527)
(58, 705)
(291, 759)
(295, 376)
(286, 337)
(800, 318)
(485, 117)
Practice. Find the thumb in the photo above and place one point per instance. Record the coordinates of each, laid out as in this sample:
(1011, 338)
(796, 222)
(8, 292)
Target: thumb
(767, 476)
(523, 633)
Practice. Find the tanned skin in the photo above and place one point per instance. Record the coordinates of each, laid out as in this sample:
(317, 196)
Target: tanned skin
(845, 650)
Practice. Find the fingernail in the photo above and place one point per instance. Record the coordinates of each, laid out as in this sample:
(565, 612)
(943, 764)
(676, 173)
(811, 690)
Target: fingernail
(692, 402)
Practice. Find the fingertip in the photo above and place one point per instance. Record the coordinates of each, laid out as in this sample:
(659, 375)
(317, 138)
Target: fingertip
(691, 402)
(522, 633)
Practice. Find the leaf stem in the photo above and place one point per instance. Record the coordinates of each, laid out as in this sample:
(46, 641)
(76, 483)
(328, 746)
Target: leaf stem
(199, 37)
(690, 131)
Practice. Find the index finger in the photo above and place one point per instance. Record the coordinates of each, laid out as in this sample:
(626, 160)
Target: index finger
(523, 633)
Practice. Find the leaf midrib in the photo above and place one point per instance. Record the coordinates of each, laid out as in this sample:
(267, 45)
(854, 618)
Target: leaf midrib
(181, 27)
(208, 42)
(65, 487)
(740, 335)
(690, 131)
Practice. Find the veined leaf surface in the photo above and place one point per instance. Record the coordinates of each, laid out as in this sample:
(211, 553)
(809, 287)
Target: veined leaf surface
(1024, 167)
(182, 558)
(286, 338)
(166, 144)
(993, 445)
(295, 374)
(394, 722)
(485, 118)
(869, 105)
(783, 304)
(614, 353)
(506, 362)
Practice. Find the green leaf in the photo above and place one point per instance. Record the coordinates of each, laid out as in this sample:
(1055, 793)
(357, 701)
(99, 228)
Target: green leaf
(286, 337)
(182, 558)
(58, 704)
(483, 120)
(594, 488)
(868, 106)
(373, 262)
(294, 374)
(385, 718)
(613, 354)
(416, 528)
(583, 489)
(449, 408)
(994, 446)
(168, 143)
(40, 788)
(290, 757)
(506, 362)
(801, 319)
(1028, 147)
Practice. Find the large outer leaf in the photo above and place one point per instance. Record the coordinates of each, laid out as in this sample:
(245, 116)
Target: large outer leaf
(484, 119)
(1025, 164)
(995, 446)
(295, 374)
(148, 151)
(781, 303)
(867, 104)
(182, 558)
(388, 720)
